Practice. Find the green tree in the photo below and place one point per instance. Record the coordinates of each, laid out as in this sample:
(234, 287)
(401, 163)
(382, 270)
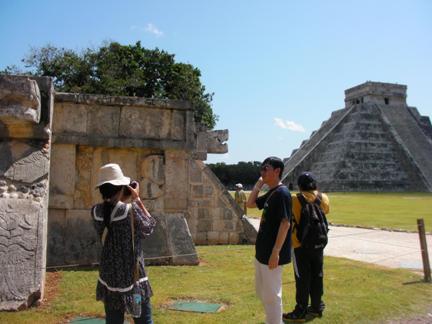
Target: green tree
(246, 173)
(122, 70)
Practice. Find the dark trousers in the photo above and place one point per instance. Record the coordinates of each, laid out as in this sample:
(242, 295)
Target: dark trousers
(308, 271)
(116, 316)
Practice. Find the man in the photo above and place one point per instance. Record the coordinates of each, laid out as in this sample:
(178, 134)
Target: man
(240, 197)
(307, 261)
(273, 243)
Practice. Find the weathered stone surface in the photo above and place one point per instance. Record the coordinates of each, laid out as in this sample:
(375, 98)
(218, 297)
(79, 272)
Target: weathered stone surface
(180, 240)
(83, 197)
(29, 168)
(25, 119)
(22, 227)
(19, 99)
(150, 190)
(62, 176)
(152, 167)
(84, 247)
(70, 118)
(103, 121)
(153, 123)
(176, 192)
(177, 125)
(216, 141)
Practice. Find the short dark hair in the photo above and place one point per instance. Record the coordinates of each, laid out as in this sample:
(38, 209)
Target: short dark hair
(276, 163)
(306, 181)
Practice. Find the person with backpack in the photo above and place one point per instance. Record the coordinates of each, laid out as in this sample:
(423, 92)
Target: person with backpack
(309, 237)
(273, 242)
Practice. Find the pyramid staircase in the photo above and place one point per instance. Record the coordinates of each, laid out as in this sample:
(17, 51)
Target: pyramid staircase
(368, 146)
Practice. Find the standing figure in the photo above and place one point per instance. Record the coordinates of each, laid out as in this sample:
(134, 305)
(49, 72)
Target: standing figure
(273, 242)
(309, 238)
(240, 197)
(123, 284)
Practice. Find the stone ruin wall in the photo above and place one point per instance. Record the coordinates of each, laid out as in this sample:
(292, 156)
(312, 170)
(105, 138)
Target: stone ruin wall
(155, 142)
(25, 122)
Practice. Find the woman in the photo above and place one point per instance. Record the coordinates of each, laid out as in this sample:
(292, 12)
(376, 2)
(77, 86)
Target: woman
(123, 284)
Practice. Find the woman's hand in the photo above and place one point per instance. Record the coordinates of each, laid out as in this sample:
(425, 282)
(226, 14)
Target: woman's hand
(134, 189)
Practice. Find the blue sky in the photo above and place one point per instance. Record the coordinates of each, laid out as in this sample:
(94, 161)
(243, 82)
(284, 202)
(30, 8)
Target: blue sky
(277, 68)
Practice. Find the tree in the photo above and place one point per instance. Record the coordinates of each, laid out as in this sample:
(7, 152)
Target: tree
(122, 70)
(246, 173)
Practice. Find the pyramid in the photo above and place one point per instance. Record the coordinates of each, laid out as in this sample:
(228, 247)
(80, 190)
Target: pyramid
(377, 143)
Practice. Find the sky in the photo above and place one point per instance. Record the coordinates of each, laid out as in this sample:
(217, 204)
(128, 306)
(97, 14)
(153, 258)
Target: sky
(277, 68)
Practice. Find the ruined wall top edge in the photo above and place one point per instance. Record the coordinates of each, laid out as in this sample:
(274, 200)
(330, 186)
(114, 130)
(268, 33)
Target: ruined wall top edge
(91, 99)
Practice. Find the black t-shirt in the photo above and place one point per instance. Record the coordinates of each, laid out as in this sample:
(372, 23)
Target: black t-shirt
(276, 205)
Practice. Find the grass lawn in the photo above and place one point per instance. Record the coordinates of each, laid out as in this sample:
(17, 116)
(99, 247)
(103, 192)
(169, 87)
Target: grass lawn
(384, 210)
(354, 292)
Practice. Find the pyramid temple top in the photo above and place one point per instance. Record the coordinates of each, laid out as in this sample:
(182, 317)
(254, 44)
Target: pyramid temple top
(376, 92)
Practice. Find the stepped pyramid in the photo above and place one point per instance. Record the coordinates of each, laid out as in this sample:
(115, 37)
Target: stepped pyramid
(376, 143)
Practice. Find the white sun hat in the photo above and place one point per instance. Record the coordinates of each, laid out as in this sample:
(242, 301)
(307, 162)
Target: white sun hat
(239, 185)
(113, 174)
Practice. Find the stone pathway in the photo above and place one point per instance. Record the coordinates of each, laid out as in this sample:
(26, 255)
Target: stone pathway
(389, 249)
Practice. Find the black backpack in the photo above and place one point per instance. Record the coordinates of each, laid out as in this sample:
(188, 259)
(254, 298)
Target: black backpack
(313, 227)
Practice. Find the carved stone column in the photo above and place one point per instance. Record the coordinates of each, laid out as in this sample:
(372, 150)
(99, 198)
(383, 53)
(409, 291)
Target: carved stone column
(25, 123)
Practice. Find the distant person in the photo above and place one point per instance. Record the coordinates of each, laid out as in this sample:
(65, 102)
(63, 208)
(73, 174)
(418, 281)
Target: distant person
(309, 237)
(240, 197)
(123, 284)
(273, 242)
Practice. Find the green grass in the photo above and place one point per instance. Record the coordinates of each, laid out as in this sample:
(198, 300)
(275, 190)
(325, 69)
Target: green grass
(383, 210)
(354, 292)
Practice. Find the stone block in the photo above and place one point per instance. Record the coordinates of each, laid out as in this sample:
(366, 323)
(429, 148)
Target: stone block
(197, 190)
(176, 185)
(200, 238)
(70, 118)
(103, 121)
(150, 190)
(228, 225)
(203, 213)
(213, 237)
(84, 192)
(23, 243)
(61, 201)
(178, 125)
(234, 238)
(152, 167)
(208, 190)
(56, 236)
(180, 240)
(204, 225)
(156, 246)
(19, 99)
(195, 173)
(223, 238)
(20, 171)
(143, 122)
(154, 205)
(227, 214)
(62, 175)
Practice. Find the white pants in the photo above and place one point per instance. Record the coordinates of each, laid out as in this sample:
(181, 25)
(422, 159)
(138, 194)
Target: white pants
(268, 285)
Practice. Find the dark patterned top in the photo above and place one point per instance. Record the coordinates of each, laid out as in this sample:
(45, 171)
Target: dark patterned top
(115, 284)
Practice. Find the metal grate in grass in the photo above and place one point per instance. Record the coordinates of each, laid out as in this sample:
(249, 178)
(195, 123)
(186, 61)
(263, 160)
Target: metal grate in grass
(195, 306)
(90, 320)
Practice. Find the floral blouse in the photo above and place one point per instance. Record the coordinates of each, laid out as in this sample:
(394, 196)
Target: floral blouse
(115, 285)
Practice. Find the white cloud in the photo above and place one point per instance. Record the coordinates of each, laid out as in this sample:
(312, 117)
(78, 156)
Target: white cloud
(150, 28)
(288, 124)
